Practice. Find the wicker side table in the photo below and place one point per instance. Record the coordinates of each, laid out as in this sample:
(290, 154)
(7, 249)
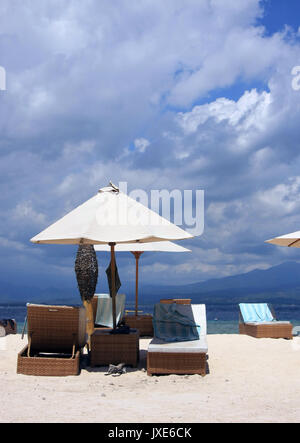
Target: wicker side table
(109, 348)
(141, 322)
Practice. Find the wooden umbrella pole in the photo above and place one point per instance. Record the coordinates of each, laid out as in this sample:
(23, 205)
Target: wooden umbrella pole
(137, 257)
(113, 282)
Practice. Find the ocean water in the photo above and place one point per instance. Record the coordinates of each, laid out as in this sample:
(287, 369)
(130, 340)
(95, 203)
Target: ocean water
(221, 319)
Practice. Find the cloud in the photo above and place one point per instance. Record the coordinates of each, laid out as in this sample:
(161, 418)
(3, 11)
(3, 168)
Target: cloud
(283, 198)
(141, 144)
(202, 94)
(83, 147)
(25, 212)
(6, 243)
(71, 62)
(250, 111)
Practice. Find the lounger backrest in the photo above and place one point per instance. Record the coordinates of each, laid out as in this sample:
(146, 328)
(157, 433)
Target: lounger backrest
(256, 312)
(179, 322)
(103, 315)
(56, 328)
(199, 312)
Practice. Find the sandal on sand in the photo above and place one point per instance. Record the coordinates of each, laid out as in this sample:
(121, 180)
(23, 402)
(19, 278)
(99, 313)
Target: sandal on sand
(116, 370)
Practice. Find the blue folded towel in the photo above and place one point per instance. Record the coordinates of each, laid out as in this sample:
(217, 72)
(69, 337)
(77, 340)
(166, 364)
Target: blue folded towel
(256, 312)
(174, 322)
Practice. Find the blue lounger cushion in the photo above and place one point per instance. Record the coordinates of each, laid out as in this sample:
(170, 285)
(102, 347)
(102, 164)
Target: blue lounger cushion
(256, 313)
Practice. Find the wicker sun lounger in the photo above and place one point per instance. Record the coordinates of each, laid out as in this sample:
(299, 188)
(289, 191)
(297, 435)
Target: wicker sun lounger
(56, 336)
(185, 357)
(266, 324)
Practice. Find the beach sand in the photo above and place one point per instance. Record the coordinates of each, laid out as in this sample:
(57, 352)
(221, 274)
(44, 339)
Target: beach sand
(249, 380)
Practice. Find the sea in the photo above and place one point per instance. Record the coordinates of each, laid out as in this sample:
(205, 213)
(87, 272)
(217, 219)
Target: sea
(221, 319)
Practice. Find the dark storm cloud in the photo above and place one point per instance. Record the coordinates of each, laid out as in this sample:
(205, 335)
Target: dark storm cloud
(109, 90)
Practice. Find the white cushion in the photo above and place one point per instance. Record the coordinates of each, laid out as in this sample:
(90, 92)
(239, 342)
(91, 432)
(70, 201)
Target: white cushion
(199, 313)
(192, 346)
(273, 323)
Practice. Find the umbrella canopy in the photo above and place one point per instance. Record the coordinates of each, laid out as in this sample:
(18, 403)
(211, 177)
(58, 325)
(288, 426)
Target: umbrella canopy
(291, 240)
(110, 217)
(137, 249)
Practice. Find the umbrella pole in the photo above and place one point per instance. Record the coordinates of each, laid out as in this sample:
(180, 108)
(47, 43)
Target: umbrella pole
(137, 257)
(113, 282)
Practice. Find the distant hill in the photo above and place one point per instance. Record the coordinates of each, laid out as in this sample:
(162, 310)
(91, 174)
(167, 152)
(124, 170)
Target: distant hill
(14, 294)
(280, 283)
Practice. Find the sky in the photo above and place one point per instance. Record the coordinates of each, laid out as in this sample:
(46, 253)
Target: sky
(173, 94)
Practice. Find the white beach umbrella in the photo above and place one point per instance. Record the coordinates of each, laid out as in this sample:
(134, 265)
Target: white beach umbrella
(291, 240)
(137, 250)
(110, 217)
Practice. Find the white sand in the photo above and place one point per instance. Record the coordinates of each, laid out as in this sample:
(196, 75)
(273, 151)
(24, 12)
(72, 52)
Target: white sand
(250, 380)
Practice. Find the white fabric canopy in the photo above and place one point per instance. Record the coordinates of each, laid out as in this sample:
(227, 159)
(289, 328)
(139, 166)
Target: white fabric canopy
(165, 246)
(290, 240)
(110, 217)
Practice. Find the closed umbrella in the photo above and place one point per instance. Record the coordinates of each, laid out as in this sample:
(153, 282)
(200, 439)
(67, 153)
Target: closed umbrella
(137, 250)
(110, 217)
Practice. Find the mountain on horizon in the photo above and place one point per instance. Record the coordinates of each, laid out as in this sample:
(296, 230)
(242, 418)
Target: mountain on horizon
(281, 282)
(273, 277)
